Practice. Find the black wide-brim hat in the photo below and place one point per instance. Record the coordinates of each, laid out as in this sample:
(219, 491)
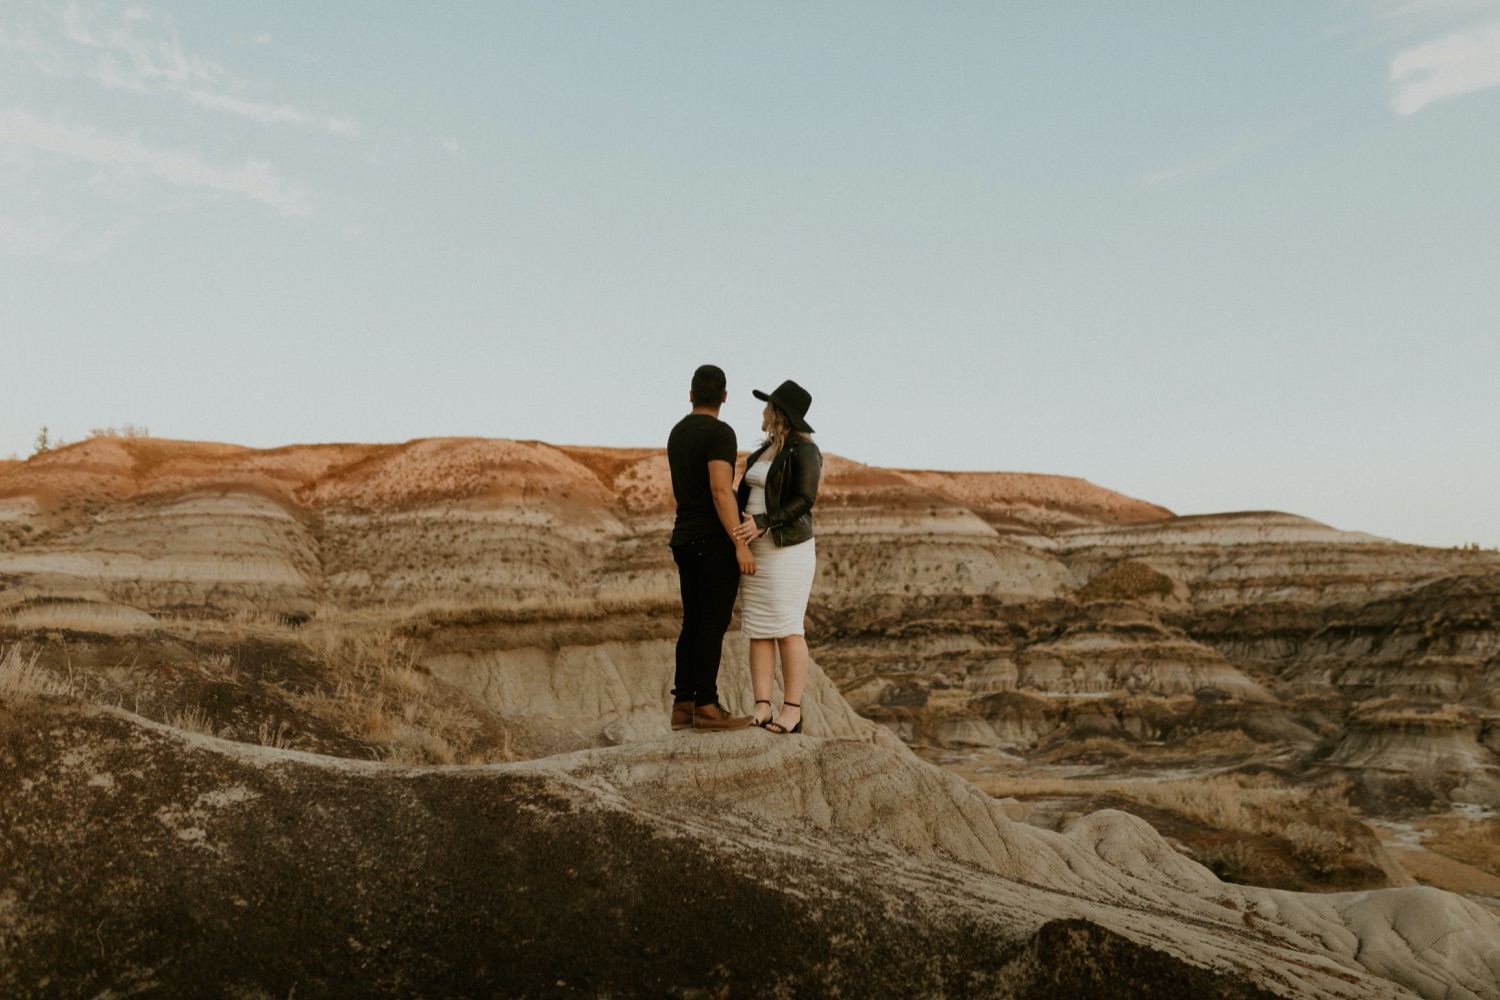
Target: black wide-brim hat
(792, 400)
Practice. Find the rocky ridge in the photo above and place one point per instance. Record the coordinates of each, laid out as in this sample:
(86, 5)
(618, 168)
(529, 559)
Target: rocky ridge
(802, 866)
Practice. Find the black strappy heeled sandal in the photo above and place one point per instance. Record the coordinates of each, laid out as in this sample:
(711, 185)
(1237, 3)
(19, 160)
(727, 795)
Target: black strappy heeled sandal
(756, 722)
(776, 727)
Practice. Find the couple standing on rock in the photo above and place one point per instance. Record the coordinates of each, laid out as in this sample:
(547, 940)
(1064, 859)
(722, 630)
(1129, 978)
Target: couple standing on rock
(756, 540)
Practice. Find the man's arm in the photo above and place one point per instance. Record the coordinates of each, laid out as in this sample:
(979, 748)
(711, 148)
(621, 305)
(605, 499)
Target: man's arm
(721, 484)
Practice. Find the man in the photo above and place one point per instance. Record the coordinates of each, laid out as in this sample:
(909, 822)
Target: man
(701, 452)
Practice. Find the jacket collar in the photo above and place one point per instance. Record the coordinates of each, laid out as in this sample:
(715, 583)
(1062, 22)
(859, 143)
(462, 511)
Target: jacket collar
(792, 443)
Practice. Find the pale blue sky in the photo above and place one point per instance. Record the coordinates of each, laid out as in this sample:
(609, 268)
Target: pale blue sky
(1217, 256)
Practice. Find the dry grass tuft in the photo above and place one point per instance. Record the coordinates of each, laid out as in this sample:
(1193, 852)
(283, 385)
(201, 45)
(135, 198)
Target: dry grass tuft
(277, 737)
(192, 719)
(1218, 743)
(645, 594)
(385, 698)
(1245, 803)
(1092, 748)
(1245, 828)
(22, 680)
(1474, 842)
(1235, 803)
(222, 664)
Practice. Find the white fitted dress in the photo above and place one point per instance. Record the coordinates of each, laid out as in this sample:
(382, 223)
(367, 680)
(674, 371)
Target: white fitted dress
(774, 600)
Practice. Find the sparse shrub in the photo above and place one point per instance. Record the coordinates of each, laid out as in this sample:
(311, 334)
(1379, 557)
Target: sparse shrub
(123, 431)
(1230, 860)
(385, 698)
(1314, 846)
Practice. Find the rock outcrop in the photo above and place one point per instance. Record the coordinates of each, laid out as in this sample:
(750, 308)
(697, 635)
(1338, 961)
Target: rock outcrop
(140, 859)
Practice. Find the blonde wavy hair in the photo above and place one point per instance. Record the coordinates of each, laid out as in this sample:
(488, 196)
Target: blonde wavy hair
(781, 429)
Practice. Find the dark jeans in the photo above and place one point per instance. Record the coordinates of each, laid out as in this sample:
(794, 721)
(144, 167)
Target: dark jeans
(709, 576)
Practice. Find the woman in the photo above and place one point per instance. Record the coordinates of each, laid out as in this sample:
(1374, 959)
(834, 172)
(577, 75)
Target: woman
(776, 496)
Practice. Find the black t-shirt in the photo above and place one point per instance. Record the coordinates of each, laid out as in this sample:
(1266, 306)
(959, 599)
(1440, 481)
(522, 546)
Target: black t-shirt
(697, 440)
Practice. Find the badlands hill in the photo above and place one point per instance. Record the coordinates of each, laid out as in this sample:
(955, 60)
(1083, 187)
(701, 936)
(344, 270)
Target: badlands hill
(392, 719)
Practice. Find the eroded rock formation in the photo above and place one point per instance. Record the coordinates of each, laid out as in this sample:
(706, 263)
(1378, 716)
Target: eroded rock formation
(503, 612)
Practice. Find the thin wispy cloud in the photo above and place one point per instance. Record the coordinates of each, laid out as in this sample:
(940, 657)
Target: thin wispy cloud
(26, 42)
(1191, 170)
(128, 59)
(1197, 168)
(254, 180)
(45, 237)
(268, 113)
(40, 237)
(141, 51)
(1464, 62)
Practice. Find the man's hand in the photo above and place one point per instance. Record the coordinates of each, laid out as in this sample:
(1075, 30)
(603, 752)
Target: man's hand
(746, 531)
(745, 557)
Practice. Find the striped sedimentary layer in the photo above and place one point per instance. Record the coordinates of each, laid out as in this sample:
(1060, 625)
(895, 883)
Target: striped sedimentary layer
(960, 609)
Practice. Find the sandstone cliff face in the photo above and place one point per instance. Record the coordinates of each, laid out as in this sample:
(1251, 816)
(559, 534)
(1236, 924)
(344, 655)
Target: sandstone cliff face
(480, 604)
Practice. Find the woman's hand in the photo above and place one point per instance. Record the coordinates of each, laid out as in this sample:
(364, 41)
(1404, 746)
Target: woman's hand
(746, 531)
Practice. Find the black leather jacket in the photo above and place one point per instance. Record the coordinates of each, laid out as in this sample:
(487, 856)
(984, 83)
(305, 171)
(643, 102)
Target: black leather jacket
(791, 490)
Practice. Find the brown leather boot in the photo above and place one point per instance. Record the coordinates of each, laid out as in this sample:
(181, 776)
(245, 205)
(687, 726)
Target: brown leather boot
(713, 717)
(682, 714)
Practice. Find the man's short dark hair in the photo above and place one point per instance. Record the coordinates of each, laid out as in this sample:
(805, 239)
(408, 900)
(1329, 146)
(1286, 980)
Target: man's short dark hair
(708, 385)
